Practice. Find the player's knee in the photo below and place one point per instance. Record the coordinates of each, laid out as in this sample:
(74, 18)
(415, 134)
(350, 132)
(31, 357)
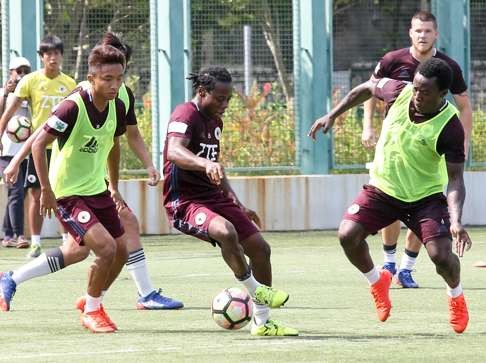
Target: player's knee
(440, 257)
(225, 233)
(107, 249)
(129, 221)
(264, 250)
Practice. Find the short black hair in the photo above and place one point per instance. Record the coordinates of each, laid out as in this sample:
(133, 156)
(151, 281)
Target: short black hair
(104, 54)
(435, 67)
(50, 42)
(424, 15)
(208, 77)
(110, 38)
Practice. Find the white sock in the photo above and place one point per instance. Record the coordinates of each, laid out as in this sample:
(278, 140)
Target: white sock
(35, 240)
(390, 255)
(64, 237)
(37, 267)
(372, 276)
(261, 313)
(454, 292)
(407, 263)
(250, 284)
(137, 268)
(92, 303)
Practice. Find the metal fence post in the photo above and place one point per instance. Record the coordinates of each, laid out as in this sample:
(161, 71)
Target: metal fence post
(23, 38)
(454, 33)
(170, 62)
(312, 73)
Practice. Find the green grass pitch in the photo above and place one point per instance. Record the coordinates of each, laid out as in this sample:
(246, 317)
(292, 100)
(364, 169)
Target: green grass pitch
(329, 303)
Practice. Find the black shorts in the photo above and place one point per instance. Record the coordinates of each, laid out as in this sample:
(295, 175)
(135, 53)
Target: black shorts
(31, 178)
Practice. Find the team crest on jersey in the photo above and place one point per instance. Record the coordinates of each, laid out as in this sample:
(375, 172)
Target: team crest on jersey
(353, 209)
(200, 218)
(84, 217)
(217, 133)
(62, 89)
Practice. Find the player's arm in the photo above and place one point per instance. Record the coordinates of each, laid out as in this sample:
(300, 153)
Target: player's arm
(48, 202)
(180, 155)
(463, 103)
(11, 172)
(456, 194)
(368, 137)
(113, 164)
(137, 145)
(355, 97)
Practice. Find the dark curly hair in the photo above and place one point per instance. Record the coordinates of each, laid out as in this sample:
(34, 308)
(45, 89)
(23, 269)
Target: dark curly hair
(208, 77)
(435, 67)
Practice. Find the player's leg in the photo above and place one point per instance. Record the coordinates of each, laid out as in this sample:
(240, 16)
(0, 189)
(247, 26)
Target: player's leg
(430, 222)
(371, 211)
(8, 239)
(16, 213)
(409, 259)
(48, 262)
(149, 297)
(389, 236)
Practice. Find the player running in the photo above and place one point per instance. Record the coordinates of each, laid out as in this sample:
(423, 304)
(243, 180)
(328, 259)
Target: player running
(401, 64)
(85, 127)
(200, 202)
(408, 179)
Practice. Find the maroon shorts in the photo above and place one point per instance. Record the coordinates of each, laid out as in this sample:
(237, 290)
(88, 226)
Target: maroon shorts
(79, 213)
(193, 217)
(428, 218)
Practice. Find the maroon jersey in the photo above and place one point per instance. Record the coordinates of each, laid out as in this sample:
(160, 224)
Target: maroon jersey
(451, 139)
(400, 64)
(203, 134)
(63, 118)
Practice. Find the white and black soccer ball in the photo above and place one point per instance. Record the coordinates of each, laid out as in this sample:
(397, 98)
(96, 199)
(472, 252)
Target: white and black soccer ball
(19, 128)
(232, 308)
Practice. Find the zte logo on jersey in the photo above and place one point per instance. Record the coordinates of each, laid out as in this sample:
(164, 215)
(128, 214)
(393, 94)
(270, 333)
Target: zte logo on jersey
(91, 146)
(50, 101)
(208, 151)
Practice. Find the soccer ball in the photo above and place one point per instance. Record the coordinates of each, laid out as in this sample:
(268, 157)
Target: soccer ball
(232, 308)
(18, 128)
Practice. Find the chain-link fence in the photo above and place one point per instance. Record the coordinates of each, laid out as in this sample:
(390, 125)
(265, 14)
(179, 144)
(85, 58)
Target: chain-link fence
(364, 30)
(478, 81)
(259, 124)
(81, 24)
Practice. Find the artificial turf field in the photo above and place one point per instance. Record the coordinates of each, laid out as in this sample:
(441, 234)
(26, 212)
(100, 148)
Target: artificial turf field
(329, 303)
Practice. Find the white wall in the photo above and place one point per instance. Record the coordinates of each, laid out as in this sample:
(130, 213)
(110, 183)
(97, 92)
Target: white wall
(282, 202)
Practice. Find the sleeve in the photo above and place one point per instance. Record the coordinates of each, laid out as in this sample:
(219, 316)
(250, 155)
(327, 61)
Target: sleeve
(62, 119)
(23, 88)
(388, 90)
(382, 68)
(121, 118)
(451, 141)
(458, 85)
(181, 123)
(131, 117)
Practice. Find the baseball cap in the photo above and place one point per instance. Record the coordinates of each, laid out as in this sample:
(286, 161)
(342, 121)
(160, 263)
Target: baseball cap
(19, 62)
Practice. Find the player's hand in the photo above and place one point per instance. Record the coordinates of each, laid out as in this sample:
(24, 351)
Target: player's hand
(461, 238)
(252, 215)
(11, 85)
(325, 123)
(48, 203)
(118, 199)
(154, 176)
(215, 172)
(11, 173)
(368, 138)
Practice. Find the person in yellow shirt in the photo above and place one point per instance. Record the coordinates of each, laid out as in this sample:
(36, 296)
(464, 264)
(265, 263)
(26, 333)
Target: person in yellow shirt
(43, 89)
